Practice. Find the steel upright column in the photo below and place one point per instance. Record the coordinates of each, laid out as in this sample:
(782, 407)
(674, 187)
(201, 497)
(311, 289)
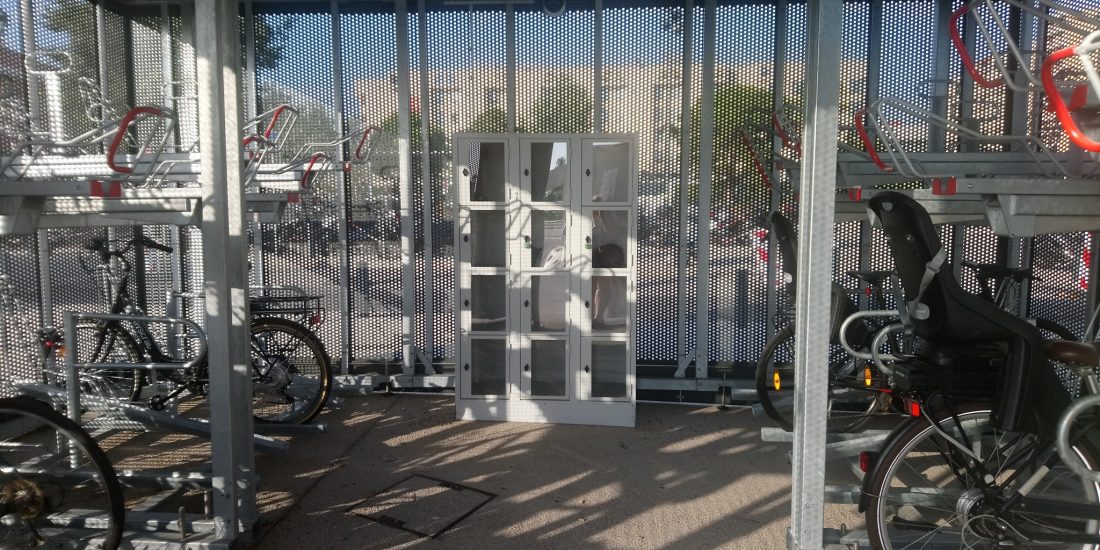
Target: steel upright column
(404, 170)
(426, 184)
(686, 79)
(341, 189)
(706, 183)
(815, 232)
(775, 197)
(225, 277)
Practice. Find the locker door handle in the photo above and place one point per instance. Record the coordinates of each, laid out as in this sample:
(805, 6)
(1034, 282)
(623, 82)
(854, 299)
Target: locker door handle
(586, 368)
(588, 171)
(466, 303)
(526, 368)
(526, 303)
(526, 172)
(466, 367)
(586, 304)
(465, 238)
(465, 171)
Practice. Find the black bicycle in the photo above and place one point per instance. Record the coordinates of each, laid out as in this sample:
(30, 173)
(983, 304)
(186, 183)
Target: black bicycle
(857, 391)
(996, 453)
(57, 488)
(291, 372)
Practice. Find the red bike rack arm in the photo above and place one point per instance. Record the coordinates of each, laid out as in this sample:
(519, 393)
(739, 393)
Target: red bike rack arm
(275, 118)
(756, 161)
(363, 140)
(964, 54)
(1060, 109)
(120, 134)
(868, 143)
(304, 184)
(782, 133)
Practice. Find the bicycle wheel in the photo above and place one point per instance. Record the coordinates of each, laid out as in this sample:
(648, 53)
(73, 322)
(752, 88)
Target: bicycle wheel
(1054, 331)
(291, 373)
(851, 404)
(926, 493)
(57, 488)
(99, 342)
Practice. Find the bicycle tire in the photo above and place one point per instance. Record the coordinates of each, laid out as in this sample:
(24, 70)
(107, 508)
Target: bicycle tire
(29, 494)
(777, 402)
(109, 343)
(291, 372)
(1048, 327)
(899, 515)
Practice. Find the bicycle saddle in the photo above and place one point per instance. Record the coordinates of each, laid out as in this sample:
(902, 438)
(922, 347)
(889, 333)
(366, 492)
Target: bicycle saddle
(1080, 353)
(873, 278)
(955, 318)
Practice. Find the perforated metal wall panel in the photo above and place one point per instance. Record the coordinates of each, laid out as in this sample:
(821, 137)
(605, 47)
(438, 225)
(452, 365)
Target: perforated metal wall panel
(644, 81)
(740, 199)
(19, 305)
(555, 89)
(65, 26)
(1061, 264)
(294, 67)
(370, 95)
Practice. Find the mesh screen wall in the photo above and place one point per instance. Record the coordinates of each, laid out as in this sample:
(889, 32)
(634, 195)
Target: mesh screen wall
(370, 96)
(465, 75)
(294, 66)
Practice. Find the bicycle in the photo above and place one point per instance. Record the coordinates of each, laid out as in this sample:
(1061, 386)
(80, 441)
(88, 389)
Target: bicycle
(1007, 294)
(977, 462)
(57, 488)
(291, 372)
(857, 391)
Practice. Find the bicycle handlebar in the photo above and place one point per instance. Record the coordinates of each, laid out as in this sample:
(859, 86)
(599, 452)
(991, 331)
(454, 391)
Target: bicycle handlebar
(101, 247)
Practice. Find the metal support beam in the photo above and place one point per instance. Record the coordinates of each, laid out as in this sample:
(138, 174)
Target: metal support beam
(428, 306)
(404, 169)
(775, 200)
(874, 77)
(248, 77)
(706, 184)
(682, 189)
(941, 76)
(815, 230)
(597, 70)
(30, 44)
(510, 62)
(341, 187)
(225, 276)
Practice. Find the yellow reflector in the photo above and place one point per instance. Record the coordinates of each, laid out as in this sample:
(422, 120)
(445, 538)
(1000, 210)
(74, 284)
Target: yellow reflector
(776, 381)
(867, 378)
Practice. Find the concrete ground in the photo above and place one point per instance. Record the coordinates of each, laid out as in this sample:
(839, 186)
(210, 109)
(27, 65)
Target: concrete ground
(685, 477)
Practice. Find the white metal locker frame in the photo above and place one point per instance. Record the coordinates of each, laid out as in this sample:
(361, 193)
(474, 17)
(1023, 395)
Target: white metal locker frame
(581, 407)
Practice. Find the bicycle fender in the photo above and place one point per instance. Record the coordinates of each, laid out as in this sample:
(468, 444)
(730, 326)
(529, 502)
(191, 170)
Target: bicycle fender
(898, 432)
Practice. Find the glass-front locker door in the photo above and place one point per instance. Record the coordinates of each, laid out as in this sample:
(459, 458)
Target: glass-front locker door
(545, 171)
(606, 372)
(544, 371)
(481, 171)
(607, 177)
(483, 369)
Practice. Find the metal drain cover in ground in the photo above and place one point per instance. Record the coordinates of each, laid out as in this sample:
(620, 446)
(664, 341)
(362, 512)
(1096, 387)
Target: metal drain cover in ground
(422, 505)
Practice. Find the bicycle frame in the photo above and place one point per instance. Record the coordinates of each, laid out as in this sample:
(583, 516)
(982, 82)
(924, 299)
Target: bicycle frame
(1039, 462)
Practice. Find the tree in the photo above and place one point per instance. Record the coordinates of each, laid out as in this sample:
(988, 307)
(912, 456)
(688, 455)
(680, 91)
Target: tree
(735, 106)
(493, 120)
(269, 41)
(565, 107)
